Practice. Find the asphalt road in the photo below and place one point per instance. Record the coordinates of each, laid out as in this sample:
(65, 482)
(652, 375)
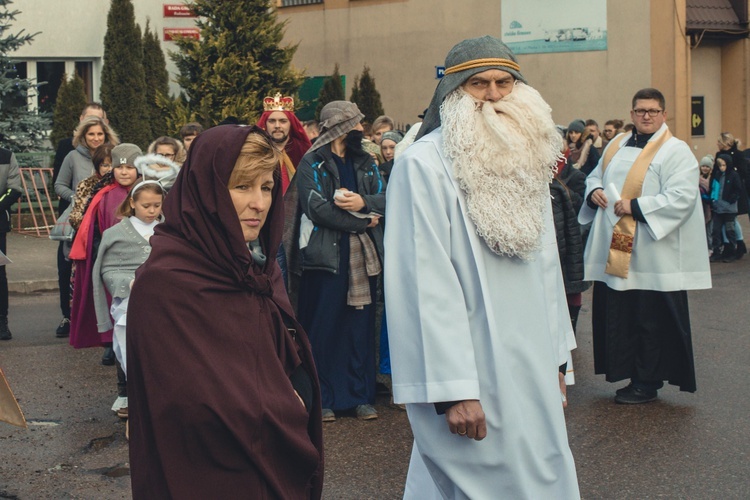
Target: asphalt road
(682, 446)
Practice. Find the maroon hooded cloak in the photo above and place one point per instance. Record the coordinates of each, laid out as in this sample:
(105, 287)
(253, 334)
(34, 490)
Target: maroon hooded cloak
(213, 413)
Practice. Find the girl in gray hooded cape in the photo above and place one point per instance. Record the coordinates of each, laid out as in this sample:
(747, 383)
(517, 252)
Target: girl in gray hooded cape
(158, 168)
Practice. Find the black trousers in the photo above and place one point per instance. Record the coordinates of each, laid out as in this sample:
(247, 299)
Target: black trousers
(3, 277)
(64, 269)
(643, 335)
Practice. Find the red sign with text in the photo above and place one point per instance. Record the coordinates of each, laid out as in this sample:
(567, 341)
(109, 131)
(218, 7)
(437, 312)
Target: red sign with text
(171, 33)
(177, 10)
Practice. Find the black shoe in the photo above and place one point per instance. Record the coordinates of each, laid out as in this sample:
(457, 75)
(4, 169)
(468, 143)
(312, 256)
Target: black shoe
(716, 256)
(635, 396)
(625, 389)
(741, 250)
(4, 330)
(727, 254)
(63, 329)
(108, 359)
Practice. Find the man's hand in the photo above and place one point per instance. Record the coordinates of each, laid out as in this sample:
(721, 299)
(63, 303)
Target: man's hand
(467, 419)
(563, 390)
(622, 207)
(351, 202)
(599, 199)
(373, 221)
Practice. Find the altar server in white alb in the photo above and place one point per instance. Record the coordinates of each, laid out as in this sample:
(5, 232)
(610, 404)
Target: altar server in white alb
(477, 317)
(645, 250)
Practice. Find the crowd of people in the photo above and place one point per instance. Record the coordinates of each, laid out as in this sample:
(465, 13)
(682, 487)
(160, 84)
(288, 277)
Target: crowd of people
(294, 299)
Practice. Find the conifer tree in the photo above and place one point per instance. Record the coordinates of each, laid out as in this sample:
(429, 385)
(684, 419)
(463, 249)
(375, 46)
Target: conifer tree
(367, 97)
(21, 130)
(157, 81)
(237, 62)
(71, 99)
(355, 91)
(332, 91)
(123, 89)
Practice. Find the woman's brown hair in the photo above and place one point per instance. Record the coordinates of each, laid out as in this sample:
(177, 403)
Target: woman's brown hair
(79, 134)
(257, 157)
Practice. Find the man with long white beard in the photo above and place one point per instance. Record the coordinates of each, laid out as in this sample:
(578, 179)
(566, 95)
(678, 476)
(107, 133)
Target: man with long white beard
(477, 318)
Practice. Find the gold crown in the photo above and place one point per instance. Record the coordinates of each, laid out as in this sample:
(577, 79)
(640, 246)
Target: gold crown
(278, 103)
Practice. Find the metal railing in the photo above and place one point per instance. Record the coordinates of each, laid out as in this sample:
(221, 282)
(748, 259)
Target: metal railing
(36, 212)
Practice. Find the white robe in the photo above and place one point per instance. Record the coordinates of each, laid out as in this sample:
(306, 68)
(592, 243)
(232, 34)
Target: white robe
(669, 252)
(465, 323)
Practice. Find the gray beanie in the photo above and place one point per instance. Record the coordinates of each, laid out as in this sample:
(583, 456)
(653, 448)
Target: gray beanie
(577, 126)
(392, 135)
(336, 119)
(487, 50)
(707, 161)
(125, 154)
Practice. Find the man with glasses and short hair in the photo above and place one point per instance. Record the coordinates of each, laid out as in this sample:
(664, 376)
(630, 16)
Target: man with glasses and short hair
(646, 248)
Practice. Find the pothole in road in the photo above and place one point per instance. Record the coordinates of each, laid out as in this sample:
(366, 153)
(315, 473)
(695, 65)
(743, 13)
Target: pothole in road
(116, 471)
(100, 443)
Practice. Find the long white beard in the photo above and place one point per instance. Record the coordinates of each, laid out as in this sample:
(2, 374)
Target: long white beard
(504, 156)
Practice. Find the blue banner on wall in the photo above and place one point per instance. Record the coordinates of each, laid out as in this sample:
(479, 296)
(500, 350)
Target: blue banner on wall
(540, 26)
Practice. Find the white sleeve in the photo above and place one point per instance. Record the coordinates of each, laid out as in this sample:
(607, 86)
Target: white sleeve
(432, 353)
(674, 204)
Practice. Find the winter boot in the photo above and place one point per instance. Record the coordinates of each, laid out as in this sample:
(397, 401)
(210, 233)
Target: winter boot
(4, 330)
(728, 255)
(741, 250)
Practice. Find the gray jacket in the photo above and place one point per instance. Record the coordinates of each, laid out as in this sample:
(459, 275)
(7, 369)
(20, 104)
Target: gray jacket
(317, 179)
(75, 167)
(10, 186)
(121, 251)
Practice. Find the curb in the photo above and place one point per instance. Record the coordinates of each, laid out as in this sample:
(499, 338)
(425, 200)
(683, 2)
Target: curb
(30, 287)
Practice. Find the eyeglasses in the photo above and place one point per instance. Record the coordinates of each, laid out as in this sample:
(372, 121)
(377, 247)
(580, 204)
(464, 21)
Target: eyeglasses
(166, 155)
(651, 112)
(105, 165)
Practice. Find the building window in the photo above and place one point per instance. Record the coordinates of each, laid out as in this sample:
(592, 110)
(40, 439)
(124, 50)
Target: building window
(294, 3)
(52, 73)
(83, 69)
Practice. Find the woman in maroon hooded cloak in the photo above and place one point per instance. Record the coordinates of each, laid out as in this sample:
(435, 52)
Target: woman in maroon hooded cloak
(215, 356)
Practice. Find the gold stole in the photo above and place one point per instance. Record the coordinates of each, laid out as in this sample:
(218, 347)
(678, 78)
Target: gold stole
(621, 247)
(286, 162)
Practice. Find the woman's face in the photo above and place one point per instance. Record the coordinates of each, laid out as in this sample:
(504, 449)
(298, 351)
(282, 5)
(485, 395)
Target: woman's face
(148, 205)
(721, 164)
(125, 175)
(105, 167)
(94, 137)
(574, 136)
(722, 146)
(387, 149)
(252, 201)
(166, 151)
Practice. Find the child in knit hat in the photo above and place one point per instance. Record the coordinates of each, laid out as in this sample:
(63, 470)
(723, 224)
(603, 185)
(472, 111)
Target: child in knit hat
(704, 184)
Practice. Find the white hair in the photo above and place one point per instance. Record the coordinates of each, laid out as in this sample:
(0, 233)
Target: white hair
(504, 156)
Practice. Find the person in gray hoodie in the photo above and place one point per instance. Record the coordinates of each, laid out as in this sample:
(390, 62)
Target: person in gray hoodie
(92, 131)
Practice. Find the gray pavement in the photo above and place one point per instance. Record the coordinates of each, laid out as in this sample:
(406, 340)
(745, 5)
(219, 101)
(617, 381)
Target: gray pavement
(34, 264)
(681, 446)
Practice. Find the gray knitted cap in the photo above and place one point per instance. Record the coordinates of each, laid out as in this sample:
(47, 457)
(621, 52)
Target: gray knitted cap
(336, 119)
(473, 49)
(125, 154)
(392, 135)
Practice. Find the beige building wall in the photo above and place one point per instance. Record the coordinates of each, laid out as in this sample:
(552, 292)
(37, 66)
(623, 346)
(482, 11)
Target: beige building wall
(706, 82)
(403, 40)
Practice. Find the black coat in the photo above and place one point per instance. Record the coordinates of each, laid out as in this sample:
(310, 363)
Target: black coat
(569, 240)
(740, 166)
